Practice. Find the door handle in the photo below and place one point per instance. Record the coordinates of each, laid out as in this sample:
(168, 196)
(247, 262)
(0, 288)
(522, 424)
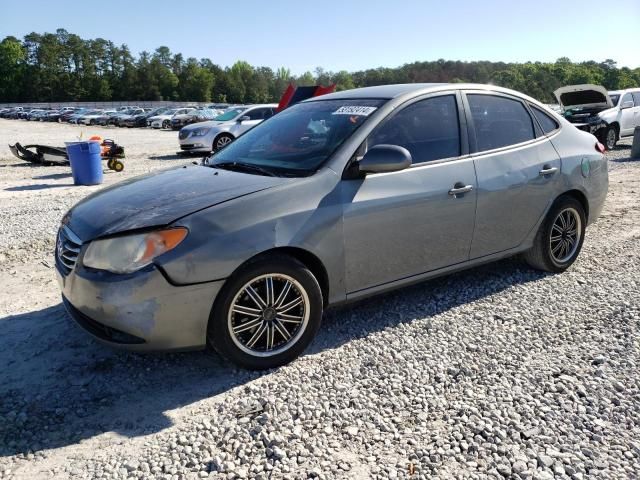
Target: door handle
(459, 188)
(547, 170)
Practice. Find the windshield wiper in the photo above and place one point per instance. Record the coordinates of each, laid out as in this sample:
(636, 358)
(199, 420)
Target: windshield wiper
(247, 167)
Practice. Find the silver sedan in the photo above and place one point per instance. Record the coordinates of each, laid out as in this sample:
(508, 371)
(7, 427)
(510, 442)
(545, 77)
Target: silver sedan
(334, 199)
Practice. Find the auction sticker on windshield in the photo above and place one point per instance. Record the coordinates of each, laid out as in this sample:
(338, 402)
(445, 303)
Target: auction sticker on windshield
(355, 110)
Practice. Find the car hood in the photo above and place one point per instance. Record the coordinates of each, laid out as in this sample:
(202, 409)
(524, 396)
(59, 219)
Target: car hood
(583, 96)
(159, 199)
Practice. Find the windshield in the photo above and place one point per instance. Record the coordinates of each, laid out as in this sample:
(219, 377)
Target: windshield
(299, 139)
(614, 98)
(229, 114)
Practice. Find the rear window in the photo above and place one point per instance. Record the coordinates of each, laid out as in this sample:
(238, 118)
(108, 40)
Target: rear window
(499, 121)
(545, 120)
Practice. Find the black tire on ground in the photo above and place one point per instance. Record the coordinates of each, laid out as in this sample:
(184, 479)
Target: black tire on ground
(118, 166)
(92, 122)
(552, 249)
(610, 137)
(222, 141)
(166, 124)
(222, 321)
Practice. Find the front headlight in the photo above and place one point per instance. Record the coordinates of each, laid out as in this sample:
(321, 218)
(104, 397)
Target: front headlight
(199, 132)
(129, 253)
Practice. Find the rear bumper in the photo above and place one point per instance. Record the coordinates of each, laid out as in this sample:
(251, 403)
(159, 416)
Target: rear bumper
(140, 311)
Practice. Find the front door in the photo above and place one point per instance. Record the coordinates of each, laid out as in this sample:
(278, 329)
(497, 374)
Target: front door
(629, 117)
(401, 224)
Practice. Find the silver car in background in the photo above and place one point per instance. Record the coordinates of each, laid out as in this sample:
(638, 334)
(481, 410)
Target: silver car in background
(204, 137)
(334, 199)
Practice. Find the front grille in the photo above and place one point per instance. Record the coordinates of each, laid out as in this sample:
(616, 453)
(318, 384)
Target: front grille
(183, 134)
(67, 249)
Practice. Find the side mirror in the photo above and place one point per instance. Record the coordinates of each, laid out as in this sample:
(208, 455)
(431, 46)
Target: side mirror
(627, 104)
(385, 158)
(244, 119)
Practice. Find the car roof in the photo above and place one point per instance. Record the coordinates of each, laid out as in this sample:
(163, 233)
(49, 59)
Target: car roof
(272, 105)
(388, 92)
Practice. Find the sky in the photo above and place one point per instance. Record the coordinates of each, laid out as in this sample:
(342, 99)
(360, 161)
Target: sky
(348, 34)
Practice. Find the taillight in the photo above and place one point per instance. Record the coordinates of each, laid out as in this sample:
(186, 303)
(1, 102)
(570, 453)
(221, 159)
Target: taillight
(600, 147)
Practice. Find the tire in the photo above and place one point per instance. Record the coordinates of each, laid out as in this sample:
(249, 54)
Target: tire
(222, 141)
(236, 335)
(556, 254)
(92, 122)
(610, 138)
(166, 124)
(118, 166)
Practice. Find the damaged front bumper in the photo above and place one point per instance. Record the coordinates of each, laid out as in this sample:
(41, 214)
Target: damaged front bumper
(597, 128)
(140, 311)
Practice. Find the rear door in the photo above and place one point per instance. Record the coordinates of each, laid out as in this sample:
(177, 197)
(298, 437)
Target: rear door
(518, 170)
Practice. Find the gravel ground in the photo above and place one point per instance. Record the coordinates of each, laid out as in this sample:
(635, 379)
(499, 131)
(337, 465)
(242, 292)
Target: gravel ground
(496, 372)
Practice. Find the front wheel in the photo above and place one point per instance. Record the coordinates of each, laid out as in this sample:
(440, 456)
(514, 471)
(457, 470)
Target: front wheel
(266, 314)
(560, 237)
(222, 141)
(610, 138)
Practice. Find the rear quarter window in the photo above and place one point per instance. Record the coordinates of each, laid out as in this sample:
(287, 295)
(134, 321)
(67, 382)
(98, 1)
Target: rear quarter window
(546, 121)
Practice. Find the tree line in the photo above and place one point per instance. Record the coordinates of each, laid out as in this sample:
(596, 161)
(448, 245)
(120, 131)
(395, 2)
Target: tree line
(61, 66)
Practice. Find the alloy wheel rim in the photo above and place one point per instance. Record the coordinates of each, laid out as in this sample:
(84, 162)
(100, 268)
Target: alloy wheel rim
(268, 315)
(564, 239)
(223, 141)
(611, 139)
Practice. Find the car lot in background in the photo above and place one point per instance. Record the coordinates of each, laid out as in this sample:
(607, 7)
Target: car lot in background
(215, 134)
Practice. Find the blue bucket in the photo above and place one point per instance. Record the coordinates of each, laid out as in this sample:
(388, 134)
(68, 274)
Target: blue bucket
(86, 164)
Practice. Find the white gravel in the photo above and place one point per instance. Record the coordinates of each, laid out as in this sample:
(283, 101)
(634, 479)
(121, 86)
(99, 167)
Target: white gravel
(495, 372)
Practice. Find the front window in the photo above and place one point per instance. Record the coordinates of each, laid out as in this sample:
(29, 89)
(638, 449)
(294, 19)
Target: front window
(429, 129)
(300, 139)
(229, 114)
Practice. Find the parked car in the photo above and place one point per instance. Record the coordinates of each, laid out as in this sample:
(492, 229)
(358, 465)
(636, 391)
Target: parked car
(608, 115)
(36, 115)
(55, 115)
(91, 117)
(76, 115)
(213, 135)
(197, 115)
(140, 120)
(65, 117)
(403, 183)
(106, 117)
(121, 119)
(164, 120)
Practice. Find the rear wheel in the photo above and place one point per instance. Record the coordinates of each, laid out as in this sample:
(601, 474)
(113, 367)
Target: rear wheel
(560, 237)
(166, 124)
(266, 314)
